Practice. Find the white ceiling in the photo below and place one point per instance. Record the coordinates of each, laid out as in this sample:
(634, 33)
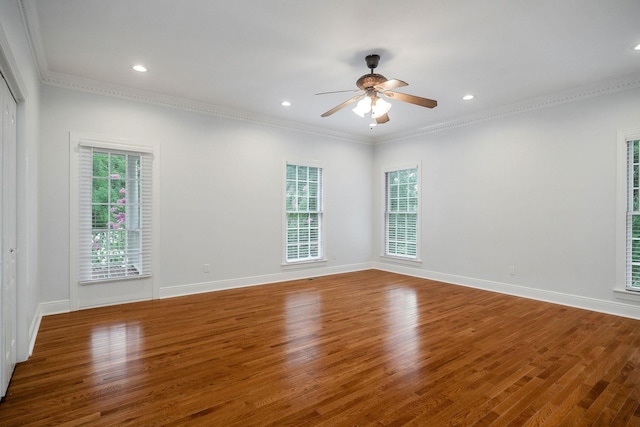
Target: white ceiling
(246, 56)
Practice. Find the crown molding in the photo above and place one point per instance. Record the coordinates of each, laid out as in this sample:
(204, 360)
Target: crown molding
(575, 94)
(10, 70)
(630, 81)
(86, 85)
(32, 24)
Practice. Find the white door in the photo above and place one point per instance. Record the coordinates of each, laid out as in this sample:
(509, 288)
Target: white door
(8, 237)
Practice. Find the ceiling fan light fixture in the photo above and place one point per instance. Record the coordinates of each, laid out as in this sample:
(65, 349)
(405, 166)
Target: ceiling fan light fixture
(380, 108)
(363, 106)
(368, 100)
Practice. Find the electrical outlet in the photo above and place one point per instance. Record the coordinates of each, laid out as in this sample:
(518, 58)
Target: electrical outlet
(512, 270)
(206, 268)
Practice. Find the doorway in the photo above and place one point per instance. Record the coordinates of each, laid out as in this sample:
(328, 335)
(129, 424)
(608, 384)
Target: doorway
(8, 235)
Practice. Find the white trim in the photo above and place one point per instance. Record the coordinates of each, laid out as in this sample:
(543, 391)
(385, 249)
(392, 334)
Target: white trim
(66, 81)
(10, 71)
(241, 282)
(54, 307)
(397, 258)
(609, 307)
(91, 86)
(404, 166)
(323, 248)
(304, 264)
(83, 142)
(626, 82)
(44, 309)
(31, 22)
(615, 308)
(626, 294)
(630, 81)
(623, 136)
(34, 327)
(77, 139)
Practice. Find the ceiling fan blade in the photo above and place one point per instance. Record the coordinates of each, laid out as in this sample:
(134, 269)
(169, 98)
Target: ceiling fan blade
(390, 84)
(344, 104)
(338, 91)
(412, 99)
(382, 119)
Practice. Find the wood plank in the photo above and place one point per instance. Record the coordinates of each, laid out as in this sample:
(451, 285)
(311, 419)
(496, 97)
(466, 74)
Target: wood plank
(366, 348)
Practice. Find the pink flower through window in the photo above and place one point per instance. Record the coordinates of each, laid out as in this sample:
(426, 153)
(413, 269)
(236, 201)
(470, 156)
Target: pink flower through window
(114, 176)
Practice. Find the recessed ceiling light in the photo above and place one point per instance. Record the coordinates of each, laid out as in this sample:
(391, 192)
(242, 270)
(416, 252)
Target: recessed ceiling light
(140, 68)
(285, 104)
(468, 97)
(637, 47)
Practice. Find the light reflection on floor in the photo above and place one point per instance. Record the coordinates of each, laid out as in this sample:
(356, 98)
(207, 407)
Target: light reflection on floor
(302, 324)
(402, 341)
(114, 348)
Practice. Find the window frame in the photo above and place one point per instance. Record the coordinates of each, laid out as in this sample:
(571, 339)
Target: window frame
(386, 212)
(321, 257)
(623, 219)
(122, 289)
(131, 218)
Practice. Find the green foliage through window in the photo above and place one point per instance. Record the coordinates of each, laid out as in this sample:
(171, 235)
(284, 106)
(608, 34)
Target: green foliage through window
(115, 233)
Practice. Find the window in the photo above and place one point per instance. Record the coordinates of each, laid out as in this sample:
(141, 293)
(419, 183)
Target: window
(401, 213)
(303, 213)
(632, 251)
(114, 218)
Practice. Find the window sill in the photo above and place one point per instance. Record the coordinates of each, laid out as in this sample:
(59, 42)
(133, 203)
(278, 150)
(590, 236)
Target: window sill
(401, 260)
(627, 294)
(303, 264)
(113, 279)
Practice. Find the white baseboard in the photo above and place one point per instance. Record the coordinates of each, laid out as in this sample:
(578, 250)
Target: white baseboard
(623, 309)
(55, 307)
(44, 309)
(292, 274)
(609, 307)
(33, 329)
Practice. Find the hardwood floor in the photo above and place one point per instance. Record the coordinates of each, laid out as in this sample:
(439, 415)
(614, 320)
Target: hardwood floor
(368, 348)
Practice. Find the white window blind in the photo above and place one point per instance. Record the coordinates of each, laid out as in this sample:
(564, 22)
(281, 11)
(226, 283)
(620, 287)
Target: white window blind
(401, 213)
(633, 216)
(304, 213)
(114, 213)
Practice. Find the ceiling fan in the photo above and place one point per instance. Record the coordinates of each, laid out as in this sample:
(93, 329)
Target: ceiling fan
(371, 86)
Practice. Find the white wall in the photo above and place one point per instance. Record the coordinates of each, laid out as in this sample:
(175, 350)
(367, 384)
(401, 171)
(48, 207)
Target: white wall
(534, 190)
(25, 82)
(221, 192)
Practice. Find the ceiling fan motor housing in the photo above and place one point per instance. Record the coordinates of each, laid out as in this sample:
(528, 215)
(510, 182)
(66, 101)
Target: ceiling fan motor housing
(370, 80)
(372, 61)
